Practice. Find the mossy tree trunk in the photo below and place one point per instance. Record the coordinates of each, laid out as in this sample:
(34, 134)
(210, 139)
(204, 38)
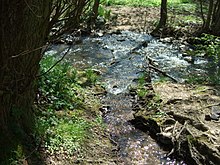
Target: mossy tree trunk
(23, 26)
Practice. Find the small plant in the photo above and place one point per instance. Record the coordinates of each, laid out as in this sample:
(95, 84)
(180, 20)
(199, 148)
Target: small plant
(18, 156)
(103, 12)
(141, 90)
(210, 45)
(91, 77)
(67, 136)
(62, 120)
(58, 87)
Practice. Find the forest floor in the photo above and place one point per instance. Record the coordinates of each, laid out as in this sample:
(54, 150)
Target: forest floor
(180, 23)
(186, 120)
(139, 19)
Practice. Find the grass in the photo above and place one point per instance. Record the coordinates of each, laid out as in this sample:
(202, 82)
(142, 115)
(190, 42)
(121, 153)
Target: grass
(143, 2)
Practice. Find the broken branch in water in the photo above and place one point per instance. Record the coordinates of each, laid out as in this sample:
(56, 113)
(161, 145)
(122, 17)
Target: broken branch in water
(162, 72)
(152, 66)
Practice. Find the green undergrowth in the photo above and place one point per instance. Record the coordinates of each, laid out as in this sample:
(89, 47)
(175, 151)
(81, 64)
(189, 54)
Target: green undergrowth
(149, 103)
(208, 47)
(144, 2)
(67, 110)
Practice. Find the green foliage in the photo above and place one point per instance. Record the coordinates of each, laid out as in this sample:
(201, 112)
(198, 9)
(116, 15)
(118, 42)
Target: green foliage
(58, 87)
(162, 79)
(63, 132)
(103, 12)
(91, 77)
(62, 120)
(209, 47)
(67, 136)
(18, 156)
(61, 88)
(141, 90)
(213, 78)
(154, 103)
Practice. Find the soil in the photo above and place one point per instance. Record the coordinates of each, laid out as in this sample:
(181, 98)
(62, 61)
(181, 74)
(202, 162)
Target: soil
(139, 19)
(184, 122)
(144, 19)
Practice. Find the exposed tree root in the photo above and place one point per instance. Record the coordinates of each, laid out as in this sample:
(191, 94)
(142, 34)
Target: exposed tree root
(183, 129)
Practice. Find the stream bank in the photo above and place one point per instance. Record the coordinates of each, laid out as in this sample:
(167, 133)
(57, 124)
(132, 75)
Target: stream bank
(184, 120)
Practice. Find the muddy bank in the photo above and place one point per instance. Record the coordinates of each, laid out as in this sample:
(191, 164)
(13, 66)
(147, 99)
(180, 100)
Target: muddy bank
(184, 119)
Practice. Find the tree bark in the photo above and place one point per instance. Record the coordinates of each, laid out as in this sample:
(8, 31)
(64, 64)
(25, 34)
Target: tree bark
(209, 16)
(94, 13)
(23, 27)
(163, 16)
(211, 24)
(215, 27)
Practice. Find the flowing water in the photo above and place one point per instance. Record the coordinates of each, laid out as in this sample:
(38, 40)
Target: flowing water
(121, 59)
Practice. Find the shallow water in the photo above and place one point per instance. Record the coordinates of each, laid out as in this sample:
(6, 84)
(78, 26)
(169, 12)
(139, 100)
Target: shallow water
(121, 58)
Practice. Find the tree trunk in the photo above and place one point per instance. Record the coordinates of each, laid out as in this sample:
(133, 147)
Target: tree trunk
(211, 24)
(215, 27)
(209, 16)
(163, 16)
(23, 27)
(94, 13)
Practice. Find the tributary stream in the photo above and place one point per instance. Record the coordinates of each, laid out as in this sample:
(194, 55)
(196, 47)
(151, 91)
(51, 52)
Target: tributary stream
(121, 59)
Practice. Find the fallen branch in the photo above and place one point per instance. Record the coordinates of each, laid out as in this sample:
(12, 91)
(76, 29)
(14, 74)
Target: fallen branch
(162, 72)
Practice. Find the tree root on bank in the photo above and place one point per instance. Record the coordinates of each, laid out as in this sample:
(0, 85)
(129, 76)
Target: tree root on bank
(182, 131)
(181, 140)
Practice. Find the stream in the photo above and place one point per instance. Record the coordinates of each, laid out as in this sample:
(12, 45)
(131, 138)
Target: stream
(121, 59)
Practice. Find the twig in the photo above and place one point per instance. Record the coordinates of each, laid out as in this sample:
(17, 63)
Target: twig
(210, 105)
(55, 63)
(27, 52)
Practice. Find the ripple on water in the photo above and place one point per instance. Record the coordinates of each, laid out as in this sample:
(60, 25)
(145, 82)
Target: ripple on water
(120, 67)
